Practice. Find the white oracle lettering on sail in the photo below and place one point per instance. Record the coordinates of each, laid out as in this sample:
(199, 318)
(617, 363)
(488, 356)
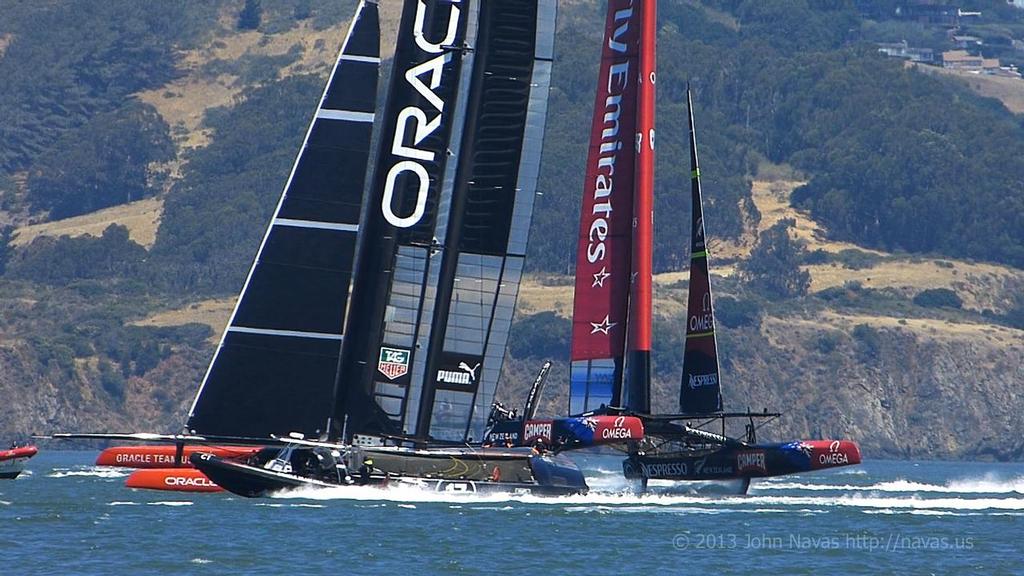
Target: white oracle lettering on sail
(413, 126)
(611, 143)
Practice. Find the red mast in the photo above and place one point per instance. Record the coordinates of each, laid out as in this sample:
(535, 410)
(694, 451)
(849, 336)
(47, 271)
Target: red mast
(638, 363)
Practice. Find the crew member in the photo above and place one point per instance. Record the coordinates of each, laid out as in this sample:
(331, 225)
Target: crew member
(365, 470)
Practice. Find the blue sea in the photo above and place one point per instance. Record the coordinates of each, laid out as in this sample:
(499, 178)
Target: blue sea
(65, 516)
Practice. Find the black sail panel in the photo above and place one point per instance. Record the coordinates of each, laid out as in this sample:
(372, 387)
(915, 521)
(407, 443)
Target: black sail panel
(701, 391)
(490, 214)
(274, 371)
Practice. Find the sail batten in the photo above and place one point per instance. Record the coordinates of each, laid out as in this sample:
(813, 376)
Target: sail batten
(290, 333)
(318, 224)
(345, 115)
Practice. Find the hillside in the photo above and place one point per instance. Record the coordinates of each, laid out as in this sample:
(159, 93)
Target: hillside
(137, 174)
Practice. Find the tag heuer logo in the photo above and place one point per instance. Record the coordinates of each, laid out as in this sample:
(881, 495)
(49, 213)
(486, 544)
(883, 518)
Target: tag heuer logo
(393, 362)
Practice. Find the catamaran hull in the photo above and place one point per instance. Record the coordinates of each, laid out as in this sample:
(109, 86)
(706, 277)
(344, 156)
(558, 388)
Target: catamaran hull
(165, 455)
(758, 461)
(171, 480)
(12, 462)
(548, 476)
(252, 481)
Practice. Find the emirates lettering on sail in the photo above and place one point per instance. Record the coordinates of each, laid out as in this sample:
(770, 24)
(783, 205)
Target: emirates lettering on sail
(420, 130)
(604, 248)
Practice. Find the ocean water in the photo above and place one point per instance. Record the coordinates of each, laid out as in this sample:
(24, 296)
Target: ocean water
(65, 516)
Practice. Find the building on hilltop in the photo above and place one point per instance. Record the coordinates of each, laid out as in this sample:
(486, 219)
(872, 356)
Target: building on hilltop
(962, 60)
(902, 50)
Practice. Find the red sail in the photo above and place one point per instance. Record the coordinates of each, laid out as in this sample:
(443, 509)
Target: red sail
(606, 230)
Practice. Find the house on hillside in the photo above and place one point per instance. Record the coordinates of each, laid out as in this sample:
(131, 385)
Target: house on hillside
(902, 50)
(965, 42)
(962, 60)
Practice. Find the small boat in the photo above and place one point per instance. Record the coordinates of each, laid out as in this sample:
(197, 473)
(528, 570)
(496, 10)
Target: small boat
(12, 461)
(610, 371)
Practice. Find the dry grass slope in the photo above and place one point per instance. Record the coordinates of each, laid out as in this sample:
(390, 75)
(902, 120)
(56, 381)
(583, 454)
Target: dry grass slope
(142, 219)
(1009, 91)
(214, 313)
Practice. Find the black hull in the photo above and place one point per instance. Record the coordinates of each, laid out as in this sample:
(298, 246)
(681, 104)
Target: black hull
(253, 481)
(745, 462)
(440, 471)
(11, 468)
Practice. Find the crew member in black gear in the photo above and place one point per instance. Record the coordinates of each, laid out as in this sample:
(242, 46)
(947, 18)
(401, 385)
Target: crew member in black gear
(365, 470)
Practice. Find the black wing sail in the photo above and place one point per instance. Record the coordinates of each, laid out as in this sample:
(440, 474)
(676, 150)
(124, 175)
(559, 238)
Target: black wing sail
(442, 279)
(492, 205)
(275, 368)
(701, 391)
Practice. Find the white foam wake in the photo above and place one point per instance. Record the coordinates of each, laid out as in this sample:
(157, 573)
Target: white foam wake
(90, 471)
(628, 502)
(990, 484)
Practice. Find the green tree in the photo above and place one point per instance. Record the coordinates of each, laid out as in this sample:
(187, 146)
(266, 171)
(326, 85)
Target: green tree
(59, 261)
(103, 163)
(544, 336)
(6, 233)
(938, 298)
(774, 265)
(250, 16)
